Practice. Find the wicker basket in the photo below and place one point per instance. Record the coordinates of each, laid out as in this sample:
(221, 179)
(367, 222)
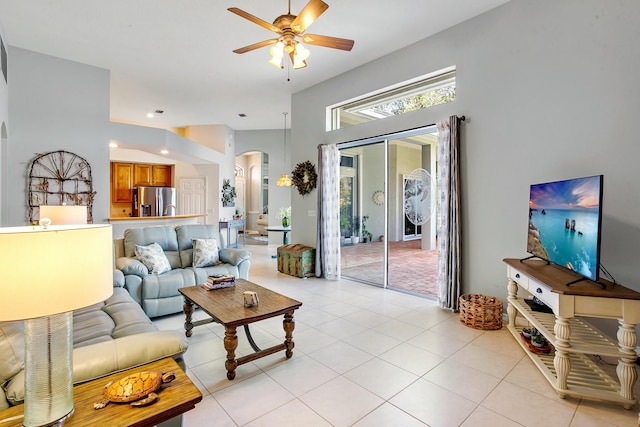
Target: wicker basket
(481, 312)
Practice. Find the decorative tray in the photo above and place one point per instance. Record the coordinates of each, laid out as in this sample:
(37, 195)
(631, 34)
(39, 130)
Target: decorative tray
(546, 349)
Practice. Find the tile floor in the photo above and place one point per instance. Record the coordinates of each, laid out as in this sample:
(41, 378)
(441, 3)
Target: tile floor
(368, 357)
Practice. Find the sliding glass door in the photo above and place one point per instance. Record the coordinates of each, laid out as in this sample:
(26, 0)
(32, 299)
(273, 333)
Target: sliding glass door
(362, 212)
(388, 229)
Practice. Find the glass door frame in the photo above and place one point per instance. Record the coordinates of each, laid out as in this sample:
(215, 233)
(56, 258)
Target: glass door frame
(364, 143)
(385, 139)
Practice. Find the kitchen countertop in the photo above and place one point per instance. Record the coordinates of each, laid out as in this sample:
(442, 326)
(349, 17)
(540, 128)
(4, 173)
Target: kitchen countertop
(152, 218)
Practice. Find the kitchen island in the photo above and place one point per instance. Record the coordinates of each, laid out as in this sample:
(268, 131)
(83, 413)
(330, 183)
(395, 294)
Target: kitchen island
(119, 224)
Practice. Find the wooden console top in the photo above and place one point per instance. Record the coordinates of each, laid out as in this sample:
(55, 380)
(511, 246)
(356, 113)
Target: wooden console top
(557, 277)
(175, 398)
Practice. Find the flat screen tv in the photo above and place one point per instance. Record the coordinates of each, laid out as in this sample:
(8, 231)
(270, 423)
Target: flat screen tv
(565, 220)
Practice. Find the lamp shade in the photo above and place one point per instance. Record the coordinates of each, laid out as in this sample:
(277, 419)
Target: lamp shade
(60, 269)
(284, 181)
(64, 215)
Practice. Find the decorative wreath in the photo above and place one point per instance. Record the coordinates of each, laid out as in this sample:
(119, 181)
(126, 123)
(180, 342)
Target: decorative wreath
(304, 177)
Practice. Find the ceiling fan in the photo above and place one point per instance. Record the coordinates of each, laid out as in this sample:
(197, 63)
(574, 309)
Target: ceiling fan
(290, 27)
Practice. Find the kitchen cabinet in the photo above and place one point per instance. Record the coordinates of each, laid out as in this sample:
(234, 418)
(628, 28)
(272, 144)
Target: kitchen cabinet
(156, 175)
(124, 176)
(161, 175)
(142, 174)
(121, 182)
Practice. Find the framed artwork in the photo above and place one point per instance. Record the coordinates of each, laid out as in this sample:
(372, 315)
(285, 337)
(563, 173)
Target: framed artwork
(228, 194)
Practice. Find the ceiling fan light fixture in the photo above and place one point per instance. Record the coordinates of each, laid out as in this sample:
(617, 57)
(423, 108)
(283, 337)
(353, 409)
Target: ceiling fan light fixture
(302, 52)
(277, 50)
(276, 62)
(298, 63)
(289, 28)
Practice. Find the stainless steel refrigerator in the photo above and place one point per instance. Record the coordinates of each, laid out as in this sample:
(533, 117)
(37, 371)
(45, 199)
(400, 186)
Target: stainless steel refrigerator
(154, 201)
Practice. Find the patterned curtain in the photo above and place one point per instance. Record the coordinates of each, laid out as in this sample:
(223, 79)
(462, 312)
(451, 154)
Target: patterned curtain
(328, 238)
(449, 213)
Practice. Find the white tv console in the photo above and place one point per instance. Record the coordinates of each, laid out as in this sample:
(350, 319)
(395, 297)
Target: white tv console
(567, 367)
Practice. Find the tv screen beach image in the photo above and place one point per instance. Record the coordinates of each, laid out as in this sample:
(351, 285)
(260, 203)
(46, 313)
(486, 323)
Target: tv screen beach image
(564, 223)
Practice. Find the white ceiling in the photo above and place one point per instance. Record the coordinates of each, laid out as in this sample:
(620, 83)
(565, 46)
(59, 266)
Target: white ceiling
(177, 56)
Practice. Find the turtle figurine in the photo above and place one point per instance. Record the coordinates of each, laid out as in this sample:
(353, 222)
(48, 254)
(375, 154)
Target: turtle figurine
(136, 389)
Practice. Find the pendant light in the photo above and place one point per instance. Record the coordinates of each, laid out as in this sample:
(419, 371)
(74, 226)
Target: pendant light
(284, 180)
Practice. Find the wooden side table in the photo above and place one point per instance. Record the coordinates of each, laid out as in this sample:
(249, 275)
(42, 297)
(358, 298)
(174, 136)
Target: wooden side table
(236, 224)
(174, 398)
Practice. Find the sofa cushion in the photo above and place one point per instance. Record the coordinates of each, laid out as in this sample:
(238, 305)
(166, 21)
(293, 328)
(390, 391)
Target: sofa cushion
(165, 236)
(118, 316)
(128, 316)
(11, 349)
(185, 235)
(4, 403)
(205, 252)
(91, 325)
(153, 257)
(131, 266)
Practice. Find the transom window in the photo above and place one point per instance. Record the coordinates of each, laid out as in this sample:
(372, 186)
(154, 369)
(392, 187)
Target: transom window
(424, 92)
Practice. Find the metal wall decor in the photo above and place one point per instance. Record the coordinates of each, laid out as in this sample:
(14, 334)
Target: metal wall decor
(58, 178)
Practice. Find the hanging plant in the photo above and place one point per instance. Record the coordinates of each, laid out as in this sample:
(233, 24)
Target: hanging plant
(304, 177)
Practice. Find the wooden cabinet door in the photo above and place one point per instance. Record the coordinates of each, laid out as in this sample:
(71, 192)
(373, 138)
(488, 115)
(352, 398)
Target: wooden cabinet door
(142, 174)
(162, 175)
(122, 182)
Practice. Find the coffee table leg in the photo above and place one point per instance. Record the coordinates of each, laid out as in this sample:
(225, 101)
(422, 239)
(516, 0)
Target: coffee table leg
(289, 324)
(230, 344)
(188, 311)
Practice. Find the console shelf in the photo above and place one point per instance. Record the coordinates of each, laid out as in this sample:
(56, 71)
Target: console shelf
(586, 378)
(568, 367)
(585, 338)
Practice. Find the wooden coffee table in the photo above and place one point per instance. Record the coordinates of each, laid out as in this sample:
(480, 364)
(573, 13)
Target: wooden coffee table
(226, 306)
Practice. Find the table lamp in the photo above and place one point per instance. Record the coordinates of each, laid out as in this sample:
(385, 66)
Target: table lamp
(45, 274)
(64, 214)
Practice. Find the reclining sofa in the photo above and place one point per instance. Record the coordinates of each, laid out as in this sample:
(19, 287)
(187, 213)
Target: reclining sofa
(108, 337)
(157, 293)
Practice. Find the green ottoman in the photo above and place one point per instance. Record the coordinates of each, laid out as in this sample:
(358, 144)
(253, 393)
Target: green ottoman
(297, 260)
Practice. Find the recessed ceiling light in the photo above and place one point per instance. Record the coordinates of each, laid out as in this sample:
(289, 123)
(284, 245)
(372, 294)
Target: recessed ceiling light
(113, 145)
(164, 151)
(150, 115)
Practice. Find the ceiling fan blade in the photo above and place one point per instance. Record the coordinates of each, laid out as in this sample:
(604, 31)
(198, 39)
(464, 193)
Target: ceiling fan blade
(256, 46)
(326, 41)
(308, 14)
(254, 19)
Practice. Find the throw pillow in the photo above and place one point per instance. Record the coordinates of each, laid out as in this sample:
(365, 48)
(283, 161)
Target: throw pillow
(205, 252)
(153, 257)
